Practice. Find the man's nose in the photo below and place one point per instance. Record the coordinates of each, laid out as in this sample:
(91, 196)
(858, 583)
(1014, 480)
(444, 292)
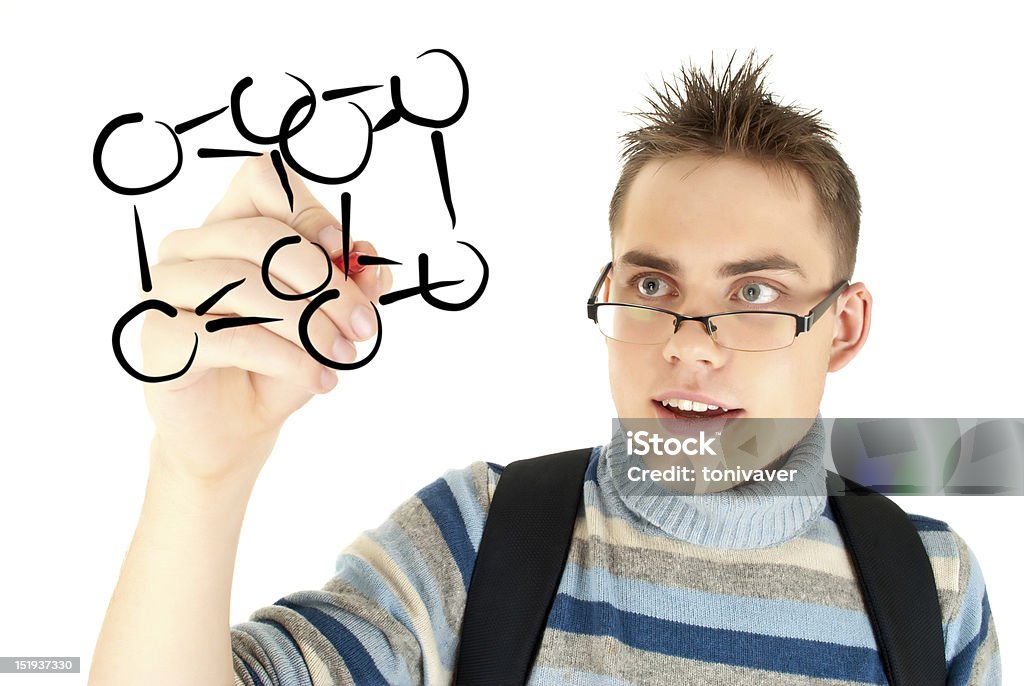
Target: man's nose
(691, 343)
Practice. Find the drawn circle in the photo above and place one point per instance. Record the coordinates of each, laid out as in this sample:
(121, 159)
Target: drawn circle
(307, 314)
(127, 317)
(269, 257)
(286, 152)
(399, 106)
(455, 307)
(101, 142)
(283, 133)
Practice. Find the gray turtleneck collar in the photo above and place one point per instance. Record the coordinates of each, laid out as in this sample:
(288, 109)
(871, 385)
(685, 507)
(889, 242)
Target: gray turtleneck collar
(752, 515)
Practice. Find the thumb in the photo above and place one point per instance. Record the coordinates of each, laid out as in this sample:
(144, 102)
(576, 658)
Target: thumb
(258, 190)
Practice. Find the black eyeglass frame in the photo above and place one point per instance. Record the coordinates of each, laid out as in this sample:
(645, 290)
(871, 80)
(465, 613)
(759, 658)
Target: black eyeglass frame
(803, 322)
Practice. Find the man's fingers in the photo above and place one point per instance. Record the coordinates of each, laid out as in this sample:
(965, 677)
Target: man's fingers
(257, 190)
(168, 342)
(187, 285)
(300, 265)
(373, 280)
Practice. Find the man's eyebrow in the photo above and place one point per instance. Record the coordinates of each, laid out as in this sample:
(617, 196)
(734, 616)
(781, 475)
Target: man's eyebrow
(642, 258)
(773, 262)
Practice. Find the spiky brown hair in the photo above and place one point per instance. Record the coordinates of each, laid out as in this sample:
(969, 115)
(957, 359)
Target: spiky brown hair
(731, 113)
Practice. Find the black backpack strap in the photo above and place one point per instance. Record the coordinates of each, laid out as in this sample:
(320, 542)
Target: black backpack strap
(526, 541)
(896, 577)
(522, 553)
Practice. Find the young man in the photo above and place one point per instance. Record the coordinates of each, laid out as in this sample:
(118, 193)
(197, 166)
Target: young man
(727, 201)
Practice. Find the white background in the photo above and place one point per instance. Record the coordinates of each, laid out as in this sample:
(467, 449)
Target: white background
(926, 107)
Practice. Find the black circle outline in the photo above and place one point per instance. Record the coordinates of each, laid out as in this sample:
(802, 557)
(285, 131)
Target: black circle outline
(101, 142)
(131, 314)
(269, 257)
(455, 307)
(399, 106)
(286, 152)
(236, 113)
(307, 314)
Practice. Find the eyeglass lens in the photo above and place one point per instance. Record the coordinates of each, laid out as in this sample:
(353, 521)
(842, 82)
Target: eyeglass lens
(742, 331)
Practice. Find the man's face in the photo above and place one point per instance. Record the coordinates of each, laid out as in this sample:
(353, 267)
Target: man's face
(684, 221)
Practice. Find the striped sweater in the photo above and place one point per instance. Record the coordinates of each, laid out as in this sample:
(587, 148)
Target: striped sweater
(750, 586)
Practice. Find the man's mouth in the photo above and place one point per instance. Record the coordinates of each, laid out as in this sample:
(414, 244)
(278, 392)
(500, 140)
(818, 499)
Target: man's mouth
(685, 409)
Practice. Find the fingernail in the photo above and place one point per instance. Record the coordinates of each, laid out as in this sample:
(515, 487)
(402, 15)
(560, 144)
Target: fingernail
(330, 239)
(342, 351)
(328, 379)
(363, 322)
(353, 264)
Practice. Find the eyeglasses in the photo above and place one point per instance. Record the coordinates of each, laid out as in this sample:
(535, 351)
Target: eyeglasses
(745, 330)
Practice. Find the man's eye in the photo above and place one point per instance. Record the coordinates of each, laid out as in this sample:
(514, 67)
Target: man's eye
(758, 294)
(649, 285)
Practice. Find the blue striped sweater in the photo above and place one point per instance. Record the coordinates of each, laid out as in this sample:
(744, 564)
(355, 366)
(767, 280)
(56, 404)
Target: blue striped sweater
(751, 586)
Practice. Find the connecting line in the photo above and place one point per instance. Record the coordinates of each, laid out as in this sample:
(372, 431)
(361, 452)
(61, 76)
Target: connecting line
(346, 230)
(205, 306)
(395, 296)
(275, 156)
(345, 92)
(201, 119)
(437, 141)
(232, 322)
(208, 153)
(147, 282)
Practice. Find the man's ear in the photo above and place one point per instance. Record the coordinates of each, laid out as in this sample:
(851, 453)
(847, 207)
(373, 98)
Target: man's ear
(851, 326)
